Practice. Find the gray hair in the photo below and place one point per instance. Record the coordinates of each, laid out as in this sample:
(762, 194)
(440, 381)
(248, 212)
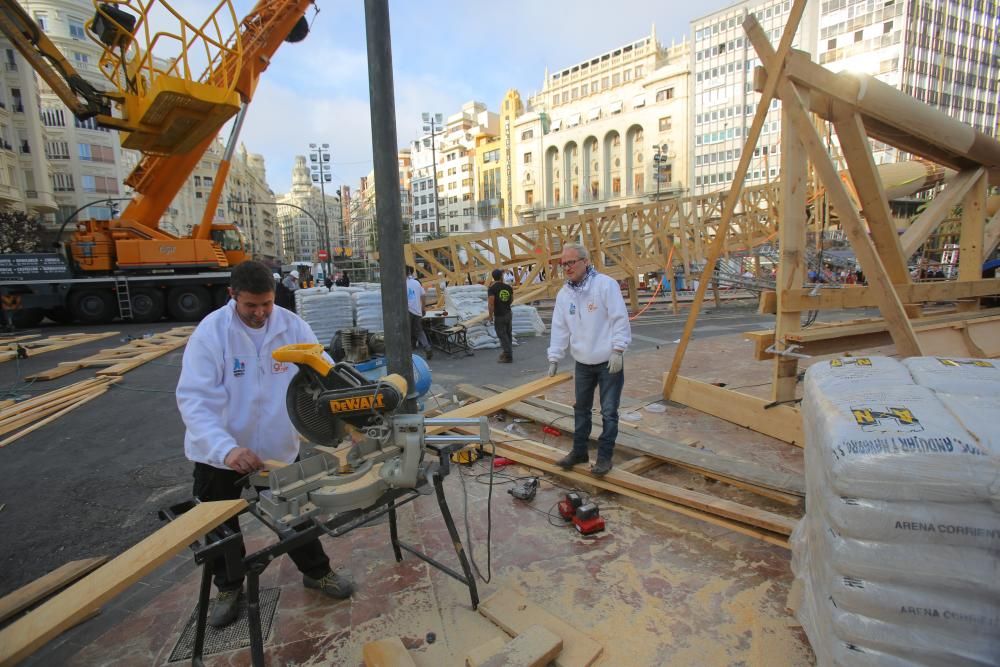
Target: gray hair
(581, 250)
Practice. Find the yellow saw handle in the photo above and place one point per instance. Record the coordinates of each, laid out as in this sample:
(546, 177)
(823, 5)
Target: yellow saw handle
(307, 354)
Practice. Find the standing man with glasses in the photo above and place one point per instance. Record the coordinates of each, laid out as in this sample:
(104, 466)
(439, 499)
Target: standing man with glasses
(590, 317)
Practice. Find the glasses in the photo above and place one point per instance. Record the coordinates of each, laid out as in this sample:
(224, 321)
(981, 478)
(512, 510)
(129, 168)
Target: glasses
(570, 263)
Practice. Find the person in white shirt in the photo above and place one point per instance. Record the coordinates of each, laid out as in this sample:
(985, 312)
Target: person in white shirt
(231, 396)
(415, 304)
(591, 319)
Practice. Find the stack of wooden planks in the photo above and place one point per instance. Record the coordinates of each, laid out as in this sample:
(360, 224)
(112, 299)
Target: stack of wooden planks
(120, 360)
(23, 417)
(9, 347)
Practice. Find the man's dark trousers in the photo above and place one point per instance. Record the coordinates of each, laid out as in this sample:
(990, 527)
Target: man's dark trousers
(212, 483)
(504, 325)
(588, 378)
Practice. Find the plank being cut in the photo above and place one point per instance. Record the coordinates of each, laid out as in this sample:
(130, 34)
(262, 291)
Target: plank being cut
(26, 635)
(44, 586)
(514, 614)
(387, 653)
(500, 401)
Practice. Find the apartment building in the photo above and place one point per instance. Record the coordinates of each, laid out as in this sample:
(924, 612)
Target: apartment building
(588, 139)
(303, 234)
(723, 101)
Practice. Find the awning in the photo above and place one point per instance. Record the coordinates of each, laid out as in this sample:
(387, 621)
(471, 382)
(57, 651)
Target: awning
(594, 114)
(616, 107)
(638, 101)
(574, 120)
(556, 124)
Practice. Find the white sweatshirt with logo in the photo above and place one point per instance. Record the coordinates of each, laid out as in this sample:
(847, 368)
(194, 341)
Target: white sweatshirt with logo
(231, 396)
(593, 321)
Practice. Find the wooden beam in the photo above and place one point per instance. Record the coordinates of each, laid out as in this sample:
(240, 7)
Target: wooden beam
(868, 184)
(502, 400)
(29, 633)
(781, 421)
(792, 260)
(41, 588)
(970, 254)
(889, 303)
(387, 653)
(535, 647)
(937, 210)
(865, 297)
(515, 614)
(992, 235)
(732, 197)
(641, 464)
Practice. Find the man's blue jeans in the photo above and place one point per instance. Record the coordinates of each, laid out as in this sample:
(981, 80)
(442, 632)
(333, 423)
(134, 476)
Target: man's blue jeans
(588, 378)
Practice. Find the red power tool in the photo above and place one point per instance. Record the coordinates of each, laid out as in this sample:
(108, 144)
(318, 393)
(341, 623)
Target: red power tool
(586, 517)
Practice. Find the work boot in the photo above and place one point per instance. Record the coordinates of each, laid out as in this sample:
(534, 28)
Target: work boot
(572, 459)
(226, 608)
(504, 358)
(601, 468)
(331, 584)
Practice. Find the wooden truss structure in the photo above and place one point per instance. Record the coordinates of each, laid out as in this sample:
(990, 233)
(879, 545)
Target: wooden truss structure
(860, 108)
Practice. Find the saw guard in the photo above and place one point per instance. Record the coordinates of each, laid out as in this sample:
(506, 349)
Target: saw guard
(304, 354)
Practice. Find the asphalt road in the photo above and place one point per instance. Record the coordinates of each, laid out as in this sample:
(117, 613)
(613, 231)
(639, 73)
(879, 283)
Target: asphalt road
(90, 484)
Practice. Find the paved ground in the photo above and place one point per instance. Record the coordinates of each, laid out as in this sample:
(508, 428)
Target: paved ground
(91, 483)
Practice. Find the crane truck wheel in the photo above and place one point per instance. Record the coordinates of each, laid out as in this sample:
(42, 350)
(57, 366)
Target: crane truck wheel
(148, 304)
(188, 304)
(93, 306)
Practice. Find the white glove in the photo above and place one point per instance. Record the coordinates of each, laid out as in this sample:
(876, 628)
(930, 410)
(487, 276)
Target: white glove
(617, 362)
(553, 367)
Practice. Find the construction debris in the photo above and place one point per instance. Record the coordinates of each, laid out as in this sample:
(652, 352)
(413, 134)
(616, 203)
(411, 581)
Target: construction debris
(16, 347)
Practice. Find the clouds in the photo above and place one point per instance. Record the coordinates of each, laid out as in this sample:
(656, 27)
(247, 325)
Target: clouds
(444, 54)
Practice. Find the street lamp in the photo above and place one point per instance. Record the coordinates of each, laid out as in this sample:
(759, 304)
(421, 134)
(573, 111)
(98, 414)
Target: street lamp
(319, 156)
(433, 123)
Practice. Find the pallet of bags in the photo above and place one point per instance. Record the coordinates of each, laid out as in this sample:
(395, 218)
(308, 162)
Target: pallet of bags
(303, 292)
(527, 321)
(466, 302)
(327, 313)
(898, 556)
(368, 310)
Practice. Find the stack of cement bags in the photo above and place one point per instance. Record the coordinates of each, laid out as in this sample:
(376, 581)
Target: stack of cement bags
(527, 321)
(466, 302)
(326, 312)
(303, 292)
(368, 310)
(897, 561)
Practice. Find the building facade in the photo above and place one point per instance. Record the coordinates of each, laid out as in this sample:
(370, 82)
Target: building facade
(588, 139)
(304, 234)
(723, 101)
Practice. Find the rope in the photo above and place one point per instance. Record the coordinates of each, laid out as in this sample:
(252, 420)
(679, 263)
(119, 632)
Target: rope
(659, 284)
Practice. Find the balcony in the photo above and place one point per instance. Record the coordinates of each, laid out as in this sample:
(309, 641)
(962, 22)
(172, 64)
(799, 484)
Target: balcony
(10, 66)
(43, 202)
(9, 194)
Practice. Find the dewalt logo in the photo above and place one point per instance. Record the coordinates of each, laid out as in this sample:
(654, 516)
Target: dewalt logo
(979, 363)
(870, 418)
(357, 403)
(854, 361)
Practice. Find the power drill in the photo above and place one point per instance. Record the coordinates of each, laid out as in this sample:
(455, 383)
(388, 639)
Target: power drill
(525, 490)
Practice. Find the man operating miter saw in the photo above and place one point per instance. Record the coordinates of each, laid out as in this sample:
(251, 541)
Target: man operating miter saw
(253, 380)
(232, 397)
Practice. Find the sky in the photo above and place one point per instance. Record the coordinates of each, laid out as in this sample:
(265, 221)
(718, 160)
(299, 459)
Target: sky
(444, 54)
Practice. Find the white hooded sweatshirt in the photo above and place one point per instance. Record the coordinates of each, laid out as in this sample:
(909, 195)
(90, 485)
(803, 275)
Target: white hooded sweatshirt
(231, 396)
(593, 321)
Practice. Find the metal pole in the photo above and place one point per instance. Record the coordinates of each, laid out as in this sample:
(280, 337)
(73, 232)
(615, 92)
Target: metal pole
(395, 313)
(434, 171)
(322, 192)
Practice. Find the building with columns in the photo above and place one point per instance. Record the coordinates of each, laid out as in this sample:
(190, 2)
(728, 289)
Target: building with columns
(303, 235)
(588, 139)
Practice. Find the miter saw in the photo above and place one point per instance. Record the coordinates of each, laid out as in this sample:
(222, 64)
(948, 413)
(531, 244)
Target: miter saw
(332, 404)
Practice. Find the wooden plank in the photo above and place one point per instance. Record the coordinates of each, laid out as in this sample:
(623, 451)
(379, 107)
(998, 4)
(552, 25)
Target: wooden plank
(535, 647)
(732, 197)
(768, 304)
(782, 421)
(970, 254)
(41, 588)
(26, 635)
(514, 614)
(991, 235)
(735, 526)
(387, 653)
(501, 401)
(55, 343)
(641, 464)
(703, 502)
(677, 453)
(889, 303)
(48, 420)
(937, 210)
(864, 297)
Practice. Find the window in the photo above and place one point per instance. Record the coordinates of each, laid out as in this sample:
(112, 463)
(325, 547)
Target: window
(529, 197)
(665, 94)
(605, 81)
(527, 134)
(53, 117)
(81, 58)
(76, 29)
(858, 36)
(527, 158)
(555, 100)
(665, 124)
(43, 21)
(57, 150)
(62, 182)
(887, 27)
(616, 79)
(616, 186)
(638, 71)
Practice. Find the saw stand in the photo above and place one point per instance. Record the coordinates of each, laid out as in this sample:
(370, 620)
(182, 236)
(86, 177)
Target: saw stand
(222, 542)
